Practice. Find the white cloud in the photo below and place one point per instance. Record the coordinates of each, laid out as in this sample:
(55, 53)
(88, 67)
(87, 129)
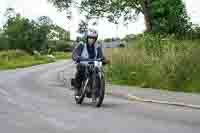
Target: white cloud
(193, 7)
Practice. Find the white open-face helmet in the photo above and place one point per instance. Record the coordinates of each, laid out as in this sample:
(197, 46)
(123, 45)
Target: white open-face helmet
(91, 33)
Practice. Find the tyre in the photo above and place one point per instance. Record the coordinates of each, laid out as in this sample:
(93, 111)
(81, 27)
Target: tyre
(82, 93)
(100, 85)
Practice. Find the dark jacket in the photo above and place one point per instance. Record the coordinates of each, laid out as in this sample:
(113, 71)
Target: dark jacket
(77, 52)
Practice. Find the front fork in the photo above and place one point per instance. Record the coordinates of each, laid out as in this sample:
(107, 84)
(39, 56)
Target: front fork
(96, 79)
(94, 86)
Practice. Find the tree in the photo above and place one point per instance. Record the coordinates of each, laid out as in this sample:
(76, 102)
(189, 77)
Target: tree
(62, 4)
(157, 13)
(44, 20)
(25, 34)
(14, 31)
(169, 17)
(3, 41)
(10, 13)
(111, 9)
(22, 33)
(43, 30)
(60, 33)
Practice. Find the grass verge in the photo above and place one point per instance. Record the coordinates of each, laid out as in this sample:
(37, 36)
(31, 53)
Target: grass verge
(62, 55)
(19, 59)
(170, 65)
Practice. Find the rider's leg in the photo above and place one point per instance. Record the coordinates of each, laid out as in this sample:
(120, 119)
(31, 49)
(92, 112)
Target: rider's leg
(79, 76)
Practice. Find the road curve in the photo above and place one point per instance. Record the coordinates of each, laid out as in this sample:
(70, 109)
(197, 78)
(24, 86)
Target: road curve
(34, 100)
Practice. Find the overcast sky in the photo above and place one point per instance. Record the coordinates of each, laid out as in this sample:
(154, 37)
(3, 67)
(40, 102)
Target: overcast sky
(35, 8)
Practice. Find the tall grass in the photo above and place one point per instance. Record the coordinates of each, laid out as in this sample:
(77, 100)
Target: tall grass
(154, 63)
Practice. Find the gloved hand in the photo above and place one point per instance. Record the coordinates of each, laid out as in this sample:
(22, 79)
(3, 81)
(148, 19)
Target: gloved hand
(105, 61)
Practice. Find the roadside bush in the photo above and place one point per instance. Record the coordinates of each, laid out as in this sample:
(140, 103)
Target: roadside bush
(58, 45)
(4, 44)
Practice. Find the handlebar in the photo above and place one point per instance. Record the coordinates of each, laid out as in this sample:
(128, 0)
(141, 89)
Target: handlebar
(91, 60)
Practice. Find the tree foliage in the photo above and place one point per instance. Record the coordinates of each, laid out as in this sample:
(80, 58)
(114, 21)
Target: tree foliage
(83, 27)
(61, 4)
(167, 16)
(59, 33)
(113, 10)
(21, 33)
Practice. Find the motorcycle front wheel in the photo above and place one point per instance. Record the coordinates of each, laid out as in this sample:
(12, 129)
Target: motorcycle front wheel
(99, 84)
(79, 99)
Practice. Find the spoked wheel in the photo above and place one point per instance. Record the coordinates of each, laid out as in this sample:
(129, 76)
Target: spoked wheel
(99, 85)
(79, 99)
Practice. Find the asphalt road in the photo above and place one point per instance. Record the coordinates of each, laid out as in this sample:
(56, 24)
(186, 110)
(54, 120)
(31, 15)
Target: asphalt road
(33, 100)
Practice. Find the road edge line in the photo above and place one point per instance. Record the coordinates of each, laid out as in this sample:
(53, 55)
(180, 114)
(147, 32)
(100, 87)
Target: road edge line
(140, 99)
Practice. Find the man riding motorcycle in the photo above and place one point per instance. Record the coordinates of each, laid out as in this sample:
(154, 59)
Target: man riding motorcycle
(89, 50)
